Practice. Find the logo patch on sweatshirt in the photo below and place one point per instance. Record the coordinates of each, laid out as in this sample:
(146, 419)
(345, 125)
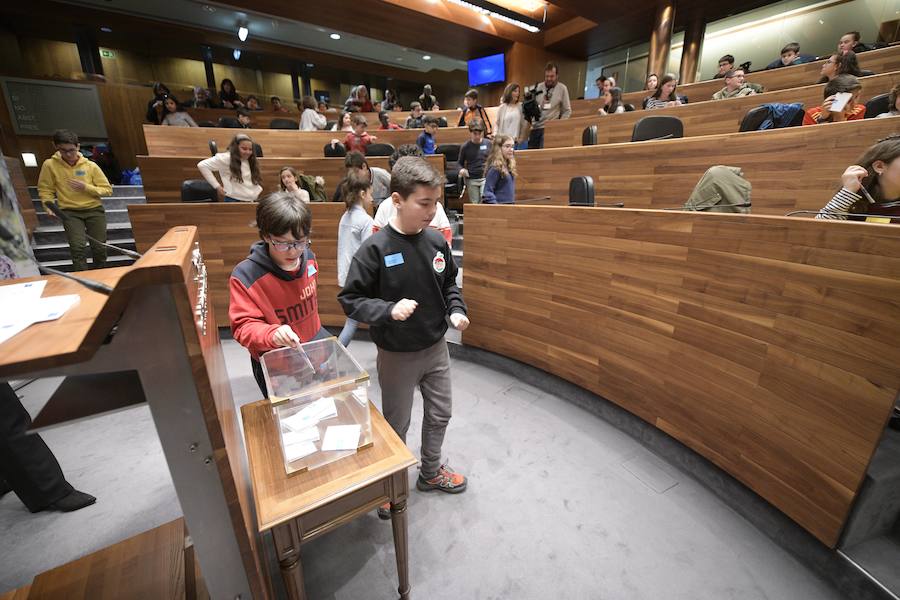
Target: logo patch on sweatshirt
(439, 263)
(310, 270)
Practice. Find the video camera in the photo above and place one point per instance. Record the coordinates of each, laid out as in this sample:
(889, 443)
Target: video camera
(531, 109)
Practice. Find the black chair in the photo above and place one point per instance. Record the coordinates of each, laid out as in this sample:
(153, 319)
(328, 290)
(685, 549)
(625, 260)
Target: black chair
(589, 136)
(684, 99)
(380, 150)
(442, 122)
(229, 122)
(329, 125)
(205, 124)
(335, 151)
(754, 118)
(877, 105)
(284, 124)
(257, 150)
(581, 190)
(213, 148)
(450, 153)
(657, 128)
(629, 107)
(198, 190)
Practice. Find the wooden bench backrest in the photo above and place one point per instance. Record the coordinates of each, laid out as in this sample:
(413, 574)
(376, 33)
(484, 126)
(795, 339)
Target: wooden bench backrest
(703, 118)
(262, 118)
(163, 175)
(884, 60)
(194, 141)
(790, 169)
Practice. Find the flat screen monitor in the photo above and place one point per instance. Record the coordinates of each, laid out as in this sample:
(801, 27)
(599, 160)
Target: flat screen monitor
(488, 69)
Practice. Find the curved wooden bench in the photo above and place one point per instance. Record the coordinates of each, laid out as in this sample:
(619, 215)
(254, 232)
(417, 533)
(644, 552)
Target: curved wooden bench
(768, 345)
(702, 118)
(790, 169)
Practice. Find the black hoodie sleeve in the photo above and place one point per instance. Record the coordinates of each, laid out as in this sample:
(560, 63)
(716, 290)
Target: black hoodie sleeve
(452, 294)
(359, 298)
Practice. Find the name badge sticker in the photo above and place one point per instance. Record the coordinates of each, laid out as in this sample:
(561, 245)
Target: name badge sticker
(546, 106)
(392, 260)
(80, 173)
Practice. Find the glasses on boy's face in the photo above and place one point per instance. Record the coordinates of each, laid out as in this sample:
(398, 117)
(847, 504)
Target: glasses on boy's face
(71, 150)
(288, 246)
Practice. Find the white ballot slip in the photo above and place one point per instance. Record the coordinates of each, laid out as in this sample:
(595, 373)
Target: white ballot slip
(21, 305)
(298, 451)
(321, 409)
(341, 437)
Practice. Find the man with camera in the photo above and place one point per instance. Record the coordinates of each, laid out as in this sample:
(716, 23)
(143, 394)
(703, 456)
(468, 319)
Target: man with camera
(547, 101)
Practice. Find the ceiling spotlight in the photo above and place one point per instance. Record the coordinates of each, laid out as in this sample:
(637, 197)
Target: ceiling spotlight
(105, 29)
(335, 36)
(236, 54)
(426, 57)
(209, 9)
(242, 33)
(310, 65)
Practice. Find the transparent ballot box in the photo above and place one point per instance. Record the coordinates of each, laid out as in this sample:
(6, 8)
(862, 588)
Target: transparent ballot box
(319, 395)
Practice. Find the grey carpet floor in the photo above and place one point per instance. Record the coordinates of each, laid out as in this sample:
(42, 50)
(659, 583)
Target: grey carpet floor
(560, 505)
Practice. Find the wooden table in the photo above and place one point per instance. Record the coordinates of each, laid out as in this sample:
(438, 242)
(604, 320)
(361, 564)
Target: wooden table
(305, 505)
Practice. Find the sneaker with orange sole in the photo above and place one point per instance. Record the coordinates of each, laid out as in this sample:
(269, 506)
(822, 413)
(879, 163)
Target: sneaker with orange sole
(445, 481)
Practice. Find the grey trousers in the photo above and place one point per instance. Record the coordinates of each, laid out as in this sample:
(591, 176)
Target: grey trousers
(398, 374)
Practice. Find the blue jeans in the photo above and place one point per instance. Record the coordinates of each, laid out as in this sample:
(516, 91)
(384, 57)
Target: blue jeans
(346, 335)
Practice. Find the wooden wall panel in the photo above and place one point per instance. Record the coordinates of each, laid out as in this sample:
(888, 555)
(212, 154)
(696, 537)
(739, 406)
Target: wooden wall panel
(163, 175)
(52, 59)
(769, 345)
(703, 118)
(194, 141)
(226, 234)
(884, 60)
(790, 169)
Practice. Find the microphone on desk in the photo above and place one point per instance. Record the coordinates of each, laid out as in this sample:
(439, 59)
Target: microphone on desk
(56, 210)
(709, 208)
(839, 213)
(8, 236)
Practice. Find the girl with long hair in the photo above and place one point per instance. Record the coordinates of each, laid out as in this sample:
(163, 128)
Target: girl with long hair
(664, 95)
(355, 227)
(510, 119)
(289, 181)
(872, 185)
(500, 180)
(238, 169)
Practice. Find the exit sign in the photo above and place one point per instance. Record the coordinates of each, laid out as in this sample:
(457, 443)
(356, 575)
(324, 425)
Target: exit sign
(107, 53)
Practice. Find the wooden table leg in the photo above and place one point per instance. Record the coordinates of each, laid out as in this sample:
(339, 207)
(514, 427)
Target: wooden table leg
(287, 548)
(400, 527)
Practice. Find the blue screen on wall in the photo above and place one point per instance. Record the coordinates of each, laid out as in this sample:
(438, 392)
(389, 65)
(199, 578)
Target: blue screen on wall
(488, 69)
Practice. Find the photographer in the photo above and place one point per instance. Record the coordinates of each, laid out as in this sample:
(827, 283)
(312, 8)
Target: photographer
(547, 101)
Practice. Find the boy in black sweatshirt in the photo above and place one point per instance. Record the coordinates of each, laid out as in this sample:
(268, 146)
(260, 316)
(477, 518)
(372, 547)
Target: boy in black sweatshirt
(402, 282)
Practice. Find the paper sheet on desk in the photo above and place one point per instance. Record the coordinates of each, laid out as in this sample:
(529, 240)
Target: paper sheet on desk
(22, 308)
(341, 437)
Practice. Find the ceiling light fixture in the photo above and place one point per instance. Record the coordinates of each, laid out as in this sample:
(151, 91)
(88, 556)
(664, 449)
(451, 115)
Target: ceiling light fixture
(335, 36)
(236, 54)
(106, 29)
(489, 9)
(426, 57)
(243, 32)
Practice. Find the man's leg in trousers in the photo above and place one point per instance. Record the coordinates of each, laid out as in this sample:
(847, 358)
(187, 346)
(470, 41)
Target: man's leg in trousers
(536, 139)
(438, 403)
(95, 221)
(26, 463)
(475, 187)
(75, 228)
(398, 373)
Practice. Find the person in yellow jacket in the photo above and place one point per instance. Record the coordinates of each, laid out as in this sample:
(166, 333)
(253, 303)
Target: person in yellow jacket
(78, 184)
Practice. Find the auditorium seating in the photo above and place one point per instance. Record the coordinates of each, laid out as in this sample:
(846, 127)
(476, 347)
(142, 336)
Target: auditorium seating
(702, 118)
(226, 234)
(163, 175)
(262, 119)
(768, 345)
(790, 169)
(194, 141)
(883, 60)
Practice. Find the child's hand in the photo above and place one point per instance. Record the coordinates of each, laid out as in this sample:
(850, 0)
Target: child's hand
(320, 180)
(459, 321)
(403, 309)
(292, 186)
(852, 178)
(335, 142)
(373, 137)
(464, 173)
(284, 336)
(826, 106)
(76, 185)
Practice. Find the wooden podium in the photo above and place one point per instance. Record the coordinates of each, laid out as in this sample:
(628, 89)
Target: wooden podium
(159, 321)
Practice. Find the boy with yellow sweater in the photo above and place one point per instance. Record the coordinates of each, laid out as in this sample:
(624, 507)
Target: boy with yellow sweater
(78, 184)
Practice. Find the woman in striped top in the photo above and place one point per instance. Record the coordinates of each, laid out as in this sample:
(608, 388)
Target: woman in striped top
(872, 186)
(665, 93)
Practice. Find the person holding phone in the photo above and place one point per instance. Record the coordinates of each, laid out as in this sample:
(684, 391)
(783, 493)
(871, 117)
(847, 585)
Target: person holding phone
(841, 102)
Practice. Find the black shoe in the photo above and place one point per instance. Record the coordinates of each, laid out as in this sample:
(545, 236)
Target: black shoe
(74, 501)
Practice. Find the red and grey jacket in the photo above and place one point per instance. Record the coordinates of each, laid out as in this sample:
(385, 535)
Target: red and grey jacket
(265, 297)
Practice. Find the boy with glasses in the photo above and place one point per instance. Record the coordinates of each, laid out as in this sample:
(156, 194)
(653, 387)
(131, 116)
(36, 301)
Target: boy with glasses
(78, 184)
(273, 291)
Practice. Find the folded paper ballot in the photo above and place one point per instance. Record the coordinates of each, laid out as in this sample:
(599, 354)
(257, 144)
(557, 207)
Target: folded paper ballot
(21, 305)
(341, 437)
(310, 434)
(321, 409)
(298, 451)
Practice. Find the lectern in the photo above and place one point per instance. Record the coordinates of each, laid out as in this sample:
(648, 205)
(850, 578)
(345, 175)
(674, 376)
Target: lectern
(159, 322)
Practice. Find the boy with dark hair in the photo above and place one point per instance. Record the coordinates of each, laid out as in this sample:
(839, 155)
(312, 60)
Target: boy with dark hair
(472, 155)
(277, 105)
(77, 184)
(849, 42)
(402, 282)
(253, 103)
(379, 178)
(726, 63)
(790, 55)
(416, 119)
(734, 86)
(426, 141)
(358, 139)
(243, 117)
(384, 117)
(852, 111)
(473, 110)
(273, 291)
